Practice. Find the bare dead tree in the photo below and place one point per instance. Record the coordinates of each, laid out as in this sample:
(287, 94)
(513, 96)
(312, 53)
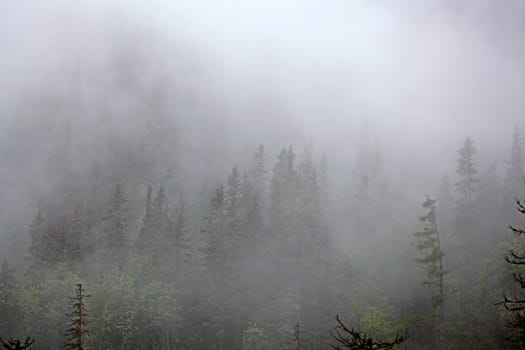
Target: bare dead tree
(349, 338)
(15, 344)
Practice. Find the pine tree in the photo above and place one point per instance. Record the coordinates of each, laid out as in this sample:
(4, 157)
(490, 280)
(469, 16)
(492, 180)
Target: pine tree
(428, 242)
(445, 205)
(36, 234)
(76, 240)
(76, 328)
(146, 231)
(115, 239)
(251, 216)
(466, 170)
(258, 171)
(516, 165)
(283, 191)
(214, 228)
(514, 178)
(178, 233)
(232, 211)
(158, 216)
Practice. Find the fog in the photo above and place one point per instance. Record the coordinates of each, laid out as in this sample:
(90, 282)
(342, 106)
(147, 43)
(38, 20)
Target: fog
(95, 94)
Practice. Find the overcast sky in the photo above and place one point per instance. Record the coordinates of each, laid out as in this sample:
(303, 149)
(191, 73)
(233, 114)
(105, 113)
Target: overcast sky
(424, 74)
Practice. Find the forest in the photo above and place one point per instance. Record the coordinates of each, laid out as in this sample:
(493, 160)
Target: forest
(187, 186)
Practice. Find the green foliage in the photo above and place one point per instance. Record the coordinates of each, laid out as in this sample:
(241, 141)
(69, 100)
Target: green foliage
(254, 338)
(378, 323)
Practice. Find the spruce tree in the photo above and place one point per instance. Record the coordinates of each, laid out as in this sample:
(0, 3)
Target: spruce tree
(283, 191)
(466, 170)
(36, 235)
(513, 181)
(76, 240)
(445, 205)
(258, 171)
(146, 231)
(429, 244)
(214, 228)
(115, 238)
(76, 329)
(232, 211)
(516, 165)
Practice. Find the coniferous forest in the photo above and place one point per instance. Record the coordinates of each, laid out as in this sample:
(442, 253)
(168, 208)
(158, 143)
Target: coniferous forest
(262, 176)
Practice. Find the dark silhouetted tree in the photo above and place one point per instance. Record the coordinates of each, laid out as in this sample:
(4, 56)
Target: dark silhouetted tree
(15, 344)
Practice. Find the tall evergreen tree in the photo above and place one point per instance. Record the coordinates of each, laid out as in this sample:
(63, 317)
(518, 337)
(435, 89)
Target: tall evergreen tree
(428, 242)
(214, 227)
(146, 231)
(514, 179)
(516, 165)
(116, 240)
(258, 171)
(76, 329)
(466, 169)
(76, 240)
(283, 191)
(36, 236)
(232, 211)
(445, 205)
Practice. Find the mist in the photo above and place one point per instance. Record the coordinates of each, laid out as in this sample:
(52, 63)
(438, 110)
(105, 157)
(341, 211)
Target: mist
(271, 122)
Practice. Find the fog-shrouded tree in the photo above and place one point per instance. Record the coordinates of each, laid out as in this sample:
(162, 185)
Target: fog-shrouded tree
(76, 242)
(76, 328)
(445, 205)
(516, 165)
(115, 238)
(514, 177)
(233, 213)
(143, 242)
(36, 251)
(466, 170)
(465, 223)
(257, 173)
(428, 242)
(515, 304)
